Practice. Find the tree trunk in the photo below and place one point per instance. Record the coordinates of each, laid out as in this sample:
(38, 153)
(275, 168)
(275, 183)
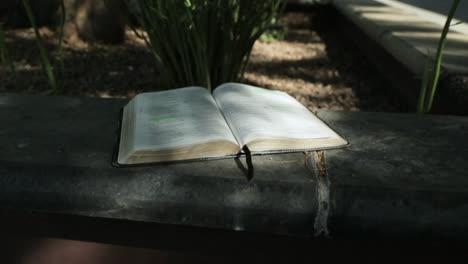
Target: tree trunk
(89, 20)
(96, 20)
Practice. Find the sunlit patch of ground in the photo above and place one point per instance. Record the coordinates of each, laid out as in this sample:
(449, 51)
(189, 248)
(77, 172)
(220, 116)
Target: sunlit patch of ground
(318, 67)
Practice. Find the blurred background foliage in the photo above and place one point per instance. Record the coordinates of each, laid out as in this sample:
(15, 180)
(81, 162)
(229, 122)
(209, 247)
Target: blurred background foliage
(204, 42)
(194, 42)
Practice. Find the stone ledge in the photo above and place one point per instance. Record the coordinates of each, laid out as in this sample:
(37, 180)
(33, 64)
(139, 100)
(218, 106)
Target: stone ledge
(402, 177)
(410, 35)
(407, 35)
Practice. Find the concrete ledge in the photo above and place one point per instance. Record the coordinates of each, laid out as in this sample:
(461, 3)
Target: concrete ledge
(432, 16)
(407, 33)
(398, 38)
(402, 177)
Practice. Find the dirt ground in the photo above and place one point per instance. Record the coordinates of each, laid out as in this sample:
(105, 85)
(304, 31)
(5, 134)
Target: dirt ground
(314, 63)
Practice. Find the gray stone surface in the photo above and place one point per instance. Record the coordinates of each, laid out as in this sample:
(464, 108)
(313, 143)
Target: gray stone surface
(441, 7)
(56, 152)
(410, 35)
(403, 176)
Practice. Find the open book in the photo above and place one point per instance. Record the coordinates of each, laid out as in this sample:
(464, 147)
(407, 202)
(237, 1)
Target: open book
(190, 123)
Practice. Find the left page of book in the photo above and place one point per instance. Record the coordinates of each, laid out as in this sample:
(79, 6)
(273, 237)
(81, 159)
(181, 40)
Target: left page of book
(170, 125)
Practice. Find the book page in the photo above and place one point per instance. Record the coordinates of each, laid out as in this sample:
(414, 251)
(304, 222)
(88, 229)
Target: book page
(178, 118)
(255, 114)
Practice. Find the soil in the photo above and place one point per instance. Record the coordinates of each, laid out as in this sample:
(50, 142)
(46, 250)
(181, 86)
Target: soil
(314, 63)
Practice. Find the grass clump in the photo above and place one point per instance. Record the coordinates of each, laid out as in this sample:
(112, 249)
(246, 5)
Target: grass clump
(275, 34)
(432, 70)
(204, 42)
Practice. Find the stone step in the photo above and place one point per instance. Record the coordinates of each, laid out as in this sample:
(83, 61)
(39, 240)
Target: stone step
(411, 35)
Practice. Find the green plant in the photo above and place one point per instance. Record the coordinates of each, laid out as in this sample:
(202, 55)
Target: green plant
(4, 53)
(61, 28)
(47, 66)
(432, 70)
(204, 42)
(275, 34)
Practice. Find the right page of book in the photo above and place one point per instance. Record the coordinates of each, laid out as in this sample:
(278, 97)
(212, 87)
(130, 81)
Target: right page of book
(272, 119)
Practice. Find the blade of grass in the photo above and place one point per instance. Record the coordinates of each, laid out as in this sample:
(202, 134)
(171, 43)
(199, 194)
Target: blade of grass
(62, 26)
(438, 62)
(424, 86)
(4, 53)
(47, 66)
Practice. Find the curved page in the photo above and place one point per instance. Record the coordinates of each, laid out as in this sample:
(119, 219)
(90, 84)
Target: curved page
(173, 119)
(257, 114)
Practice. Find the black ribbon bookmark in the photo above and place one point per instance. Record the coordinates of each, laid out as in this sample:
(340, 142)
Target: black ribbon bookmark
(248, 159)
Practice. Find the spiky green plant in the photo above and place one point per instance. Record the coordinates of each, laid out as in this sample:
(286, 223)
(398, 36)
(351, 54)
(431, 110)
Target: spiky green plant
(5, 57)
(204, 42)
(47, 66)
(431, 75)
(61, 28)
